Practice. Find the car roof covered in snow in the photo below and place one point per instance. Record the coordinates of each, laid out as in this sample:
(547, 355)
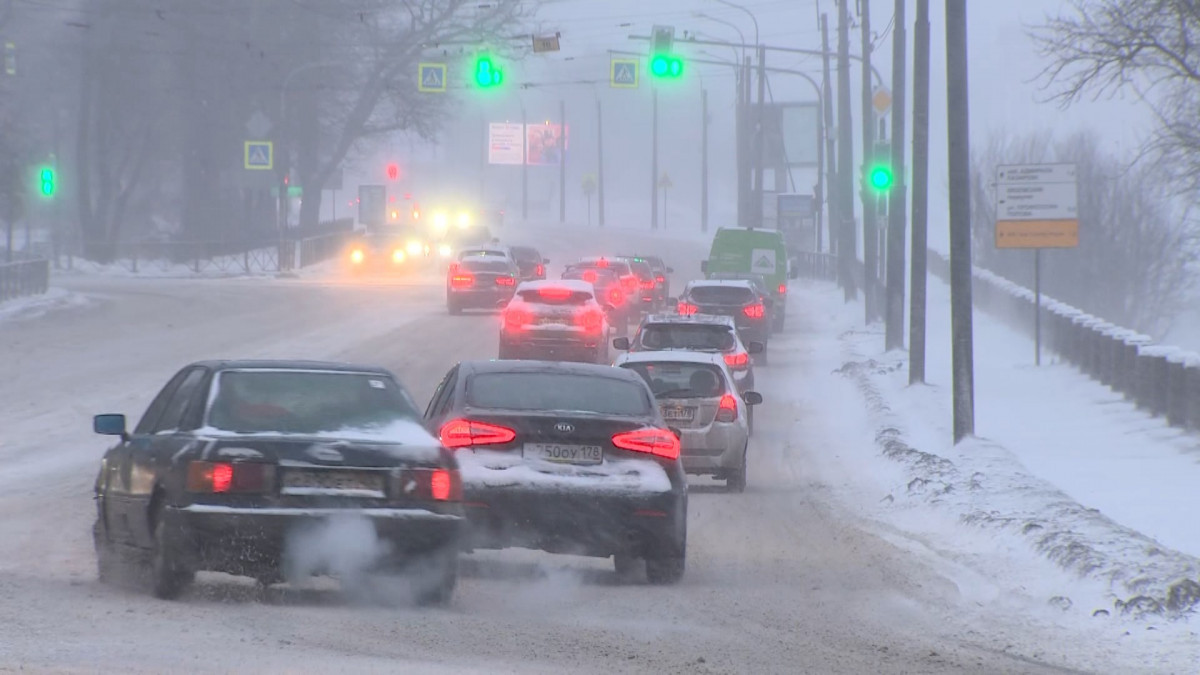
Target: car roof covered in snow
(692, 319)
(292, 364)
(672, 356)
(574, 285)
(733, 283)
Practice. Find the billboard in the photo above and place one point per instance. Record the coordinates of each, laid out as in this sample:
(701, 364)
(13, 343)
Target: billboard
(791, 132)
(505, 143)
(545, 143)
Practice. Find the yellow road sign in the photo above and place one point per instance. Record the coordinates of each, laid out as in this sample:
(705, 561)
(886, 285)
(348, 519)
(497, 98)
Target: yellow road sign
(1037, 233)
(431, 77)
(623, 73)
(258, 155)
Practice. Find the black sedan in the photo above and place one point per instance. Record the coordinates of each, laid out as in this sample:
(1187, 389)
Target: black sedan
(480, 282)
(236, 463)
(566, 458)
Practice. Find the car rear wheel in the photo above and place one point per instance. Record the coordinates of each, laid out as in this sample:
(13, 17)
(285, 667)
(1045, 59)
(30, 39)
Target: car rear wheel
(736, 480)
(168, 575)
(666, 560)
(627, 566)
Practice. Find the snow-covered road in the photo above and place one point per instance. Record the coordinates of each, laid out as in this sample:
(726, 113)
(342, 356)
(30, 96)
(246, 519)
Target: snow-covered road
(789, 577)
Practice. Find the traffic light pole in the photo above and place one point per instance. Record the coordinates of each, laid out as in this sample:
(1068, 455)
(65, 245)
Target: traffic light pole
(847, 244)
(894, 314)
(958, 133)
(869, 199)
(524, 168)
(831, 198)
(600, 162)
(654, 164)
(758, 139)
(703, 160)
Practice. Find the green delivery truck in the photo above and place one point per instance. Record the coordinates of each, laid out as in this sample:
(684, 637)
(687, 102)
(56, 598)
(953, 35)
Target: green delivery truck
(749, 254)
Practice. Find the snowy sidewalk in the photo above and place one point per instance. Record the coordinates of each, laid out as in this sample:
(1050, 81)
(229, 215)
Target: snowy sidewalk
(1059, 461)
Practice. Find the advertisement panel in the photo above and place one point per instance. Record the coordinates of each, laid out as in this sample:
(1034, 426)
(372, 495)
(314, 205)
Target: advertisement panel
(505, 143)
(545, 143)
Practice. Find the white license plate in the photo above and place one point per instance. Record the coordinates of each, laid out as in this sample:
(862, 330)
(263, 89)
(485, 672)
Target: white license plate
(565, 453)
(678, 413)
(302, 481)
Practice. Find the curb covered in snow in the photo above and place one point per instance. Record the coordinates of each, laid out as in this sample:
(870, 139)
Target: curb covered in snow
(1144, 577)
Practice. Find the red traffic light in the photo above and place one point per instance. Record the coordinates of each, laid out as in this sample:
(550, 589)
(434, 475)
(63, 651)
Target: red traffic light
(393, 171)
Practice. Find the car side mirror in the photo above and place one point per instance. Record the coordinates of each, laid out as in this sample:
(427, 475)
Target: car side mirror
(756, 348)
(621, 343)
(752, 398)
(111, 424)
(545, 261)
(670, 270)
(704, 267)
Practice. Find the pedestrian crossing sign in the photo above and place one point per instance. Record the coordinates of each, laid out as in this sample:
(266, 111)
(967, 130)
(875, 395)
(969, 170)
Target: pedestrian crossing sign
(623, 73)
(259, 155)
(431, 77)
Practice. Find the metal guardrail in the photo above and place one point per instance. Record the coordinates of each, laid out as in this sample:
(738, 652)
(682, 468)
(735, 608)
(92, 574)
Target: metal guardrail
(26, 277)
(1160, 379)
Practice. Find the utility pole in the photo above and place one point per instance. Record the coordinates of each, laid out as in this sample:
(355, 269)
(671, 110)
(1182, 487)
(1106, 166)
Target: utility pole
(524, 167)
(654, 166)
(703, 160)
(898, 198)
(758, 138)
(562, 161)
(743, 143)
(920, 201)
(847, 244)
(832, 219)
(600, 160)
(870, 208)
(958, 137)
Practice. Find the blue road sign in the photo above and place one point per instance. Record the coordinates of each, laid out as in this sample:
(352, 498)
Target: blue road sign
(623, 73)
(431, 77)
(258, 155)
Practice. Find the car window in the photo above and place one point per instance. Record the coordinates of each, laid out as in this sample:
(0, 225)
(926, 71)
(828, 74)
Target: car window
(555, 296)
(439, 394)
(172, 414)
(525, 254)
(721, 295)
(642, 270)
(682, 336)
(304, 402)
(486, 265)
(557, 392)
(675, 379)
(154, 411)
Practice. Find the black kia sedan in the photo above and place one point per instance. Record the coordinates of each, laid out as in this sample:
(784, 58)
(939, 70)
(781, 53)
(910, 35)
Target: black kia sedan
(566, 458)
(236, 462)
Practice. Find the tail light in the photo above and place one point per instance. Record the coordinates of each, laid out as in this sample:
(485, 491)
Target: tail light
(506, 281)
(602, 263)
(439, 485)
(555, 293)
(755, 311)
(591, 320)
(687, 309)
(589, 276)
(782, 289)
(648, 285)
(540, 270)
(224, 477)
(727, 409)
(615, 296)
(629, 283)
(462, 280)
(516, 318)
(738, 360)
(657, 442)
(462, 433)
(660, 279)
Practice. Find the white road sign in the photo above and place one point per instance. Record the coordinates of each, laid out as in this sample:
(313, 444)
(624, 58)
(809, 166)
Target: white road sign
(1035, 173)
(506, 143)
(1036, 201)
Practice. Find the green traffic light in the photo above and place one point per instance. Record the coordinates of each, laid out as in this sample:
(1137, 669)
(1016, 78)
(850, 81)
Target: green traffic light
(662, 65)
(880, 177)
(46, 182)
(487, 74)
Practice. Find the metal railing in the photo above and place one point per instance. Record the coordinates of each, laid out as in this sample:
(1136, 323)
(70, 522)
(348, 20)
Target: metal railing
(25, 277)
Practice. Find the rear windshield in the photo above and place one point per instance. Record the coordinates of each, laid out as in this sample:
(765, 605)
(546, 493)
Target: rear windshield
(525, 254)
(721, 295)
(306, 402)
(557, 392)
(619, 267)
(593, 276)
(555, 296)
(473, 252)
(485, 265)
(673, 379)
(642, 270)
(677, 336)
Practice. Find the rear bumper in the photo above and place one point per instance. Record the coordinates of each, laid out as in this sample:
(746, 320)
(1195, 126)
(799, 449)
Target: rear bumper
(576, 523)
(479, 299)
(253, 541)
(581, 348)
(715, 449)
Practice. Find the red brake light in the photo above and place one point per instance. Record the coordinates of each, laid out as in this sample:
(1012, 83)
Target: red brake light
(222, 477)
(540, 270)
(506, 281)
(657, 442)
(687, 309)
(727, 409)
(648, 285)
(516, 318)
(660, 279)
(782, 289)
(554, 293)
(737, 360)
(755, 311)
(462, 280)
(589, 276)
(591, 319)
(440, 485)
(461, 433)
(629, 283)
(615, 296)
(602, 263)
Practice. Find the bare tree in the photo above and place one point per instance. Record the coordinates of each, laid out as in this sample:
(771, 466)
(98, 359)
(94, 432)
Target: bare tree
(1148, 47)
(1137, 244)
